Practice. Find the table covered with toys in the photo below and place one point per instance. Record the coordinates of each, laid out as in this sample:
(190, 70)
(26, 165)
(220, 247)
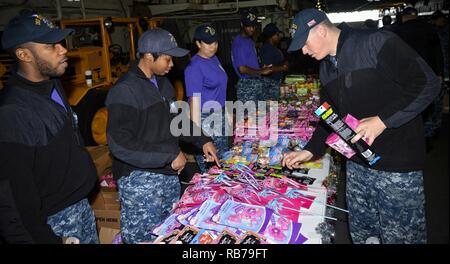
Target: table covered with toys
(251, 198)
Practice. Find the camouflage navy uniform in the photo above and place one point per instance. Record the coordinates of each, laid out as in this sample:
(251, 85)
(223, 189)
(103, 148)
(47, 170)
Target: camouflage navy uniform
(250, 89)
(387, 205)
(146, 199)
(271, 89)
(221, 142)
(77, 221)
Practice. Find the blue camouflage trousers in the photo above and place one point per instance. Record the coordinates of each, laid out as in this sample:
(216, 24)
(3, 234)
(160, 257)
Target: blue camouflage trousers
(216, 133)
(77, 220)
(271, 89)
(386, 205)
(250, 90)
(146, 199)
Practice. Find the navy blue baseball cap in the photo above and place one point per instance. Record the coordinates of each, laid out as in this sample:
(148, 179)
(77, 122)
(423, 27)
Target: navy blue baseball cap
(205, 33)
(158, 40)
(303, 22)
(32, 28)
(270, 30)
(249, 19)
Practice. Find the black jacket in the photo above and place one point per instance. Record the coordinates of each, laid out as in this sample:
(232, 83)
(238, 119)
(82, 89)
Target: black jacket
(424, 39)
(377, 74)
(42, 163)
(139, 121)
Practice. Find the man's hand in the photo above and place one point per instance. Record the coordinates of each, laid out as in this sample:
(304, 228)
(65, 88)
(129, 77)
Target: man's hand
(292, 160)
(70, 240)
(266, 69)
(210, 152)
(179, 162)
(369, 129)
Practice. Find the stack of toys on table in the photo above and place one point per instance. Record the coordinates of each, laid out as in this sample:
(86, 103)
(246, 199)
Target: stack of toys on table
(251, 199)
(299, 85)
(256, 139)
(235, 204)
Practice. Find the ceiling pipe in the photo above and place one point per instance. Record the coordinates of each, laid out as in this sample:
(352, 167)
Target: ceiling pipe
(202, 15)
(58, 10)
(83, 9)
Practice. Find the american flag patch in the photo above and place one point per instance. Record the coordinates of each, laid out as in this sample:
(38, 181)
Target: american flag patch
(311, 23)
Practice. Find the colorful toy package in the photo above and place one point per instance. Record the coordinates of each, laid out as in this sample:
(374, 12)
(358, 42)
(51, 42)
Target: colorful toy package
(203, 217)
(281, 230)
(170, 224)
(243, 216)
(259, 219)
(337, 143)
(185, 236)
(205, 237)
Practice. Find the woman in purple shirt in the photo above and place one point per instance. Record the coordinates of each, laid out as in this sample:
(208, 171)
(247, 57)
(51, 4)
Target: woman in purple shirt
(206, 87)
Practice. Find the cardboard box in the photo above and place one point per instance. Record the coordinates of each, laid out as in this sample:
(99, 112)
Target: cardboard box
(107, 218)
(102, 159)
(105, 199)
(107, 235)
(106, 206)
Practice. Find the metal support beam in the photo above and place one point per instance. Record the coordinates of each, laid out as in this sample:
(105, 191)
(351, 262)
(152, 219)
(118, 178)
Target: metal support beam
(164, 9)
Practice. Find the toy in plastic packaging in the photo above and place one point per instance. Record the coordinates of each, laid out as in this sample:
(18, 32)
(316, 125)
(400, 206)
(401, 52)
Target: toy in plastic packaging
(337, 143)
(186, 235)
(243, 216)
(326, 112)
(167, 238)
(227, 237)
(205, 237)
(203, 218)
(281, 230)
(252, 238)
(167, 226)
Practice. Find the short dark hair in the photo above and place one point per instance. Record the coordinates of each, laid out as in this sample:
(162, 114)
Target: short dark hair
(327, 23)
(154, 54)
(437, 14)
(410, 11)
(387, 20)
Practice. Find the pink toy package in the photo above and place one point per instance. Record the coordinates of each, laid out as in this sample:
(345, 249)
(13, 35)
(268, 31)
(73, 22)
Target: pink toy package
(337, 143)
(190, 199)
(281, 230)
(170, 224)
(289, 205)
(242, 216)
(203, 218)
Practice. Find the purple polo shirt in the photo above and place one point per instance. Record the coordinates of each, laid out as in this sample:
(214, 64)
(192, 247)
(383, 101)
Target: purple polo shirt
(57, 98)
(154, 81)
(243, 53)
(207, 77)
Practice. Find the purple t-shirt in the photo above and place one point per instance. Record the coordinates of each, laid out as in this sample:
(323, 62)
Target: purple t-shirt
(243, 53)
(207, 77)
(57, 98)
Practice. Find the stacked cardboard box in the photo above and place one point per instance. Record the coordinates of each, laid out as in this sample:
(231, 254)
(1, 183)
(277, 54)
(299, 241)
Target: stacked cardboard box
(105, 200)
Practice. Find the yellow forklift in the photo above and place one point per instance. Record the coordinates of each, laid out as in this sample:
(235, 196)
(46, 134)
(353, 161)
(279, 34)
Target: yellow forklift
(101, 50)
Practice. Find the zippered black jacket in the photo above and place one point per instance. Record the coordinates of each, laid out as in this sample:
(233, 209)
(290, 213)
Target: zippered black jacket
(139, 121)
(42, 162)
(378, 74)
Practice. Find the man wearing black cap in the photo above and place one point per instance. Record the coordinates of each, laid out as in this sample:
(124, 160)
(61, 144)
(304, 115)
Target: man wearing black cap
(272, 55)
(147, 156)
(42, 161)
(376, 77)
(245, 61)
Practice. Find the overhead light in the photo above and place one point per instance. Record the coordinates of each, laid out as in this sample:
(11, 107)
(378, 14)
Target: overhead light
(357, 16)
